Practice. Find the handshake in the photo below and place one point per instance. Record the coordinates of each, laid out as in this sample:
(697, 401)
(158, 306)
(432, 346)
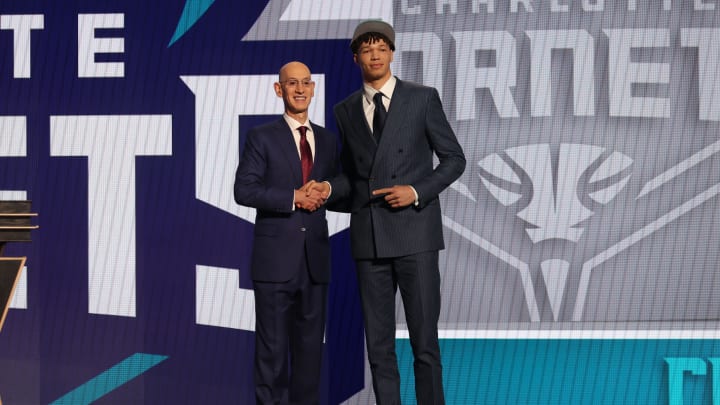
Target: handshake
(312, 195)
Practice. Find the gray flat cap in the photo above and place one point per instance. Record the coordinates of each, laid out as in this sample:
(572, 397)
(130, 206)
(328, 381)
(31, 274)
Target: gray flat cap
(378, 26)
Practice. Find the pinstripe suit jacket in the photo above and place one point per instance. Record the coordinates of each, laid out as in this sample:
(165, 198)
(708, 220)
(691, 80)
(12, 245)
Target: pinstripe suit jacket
(415, 129)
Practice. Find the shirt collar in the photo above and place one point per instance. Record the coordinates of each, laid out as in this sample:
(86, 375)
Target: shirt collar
(387, 89)
(294, 124)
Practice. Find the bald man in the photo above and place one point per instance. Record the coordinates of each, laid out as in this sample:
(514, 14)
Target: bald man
(291, 253)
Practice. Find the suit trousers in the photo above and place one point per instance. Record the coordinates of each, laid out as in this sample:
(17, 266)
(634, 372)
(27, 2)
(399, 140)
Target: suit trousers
(418, 278)
(289, 316)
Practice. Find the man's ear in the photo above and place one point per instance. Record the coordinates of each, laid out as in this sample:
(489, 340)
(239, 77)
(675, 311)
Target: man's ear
(355, 58)
(278, 89)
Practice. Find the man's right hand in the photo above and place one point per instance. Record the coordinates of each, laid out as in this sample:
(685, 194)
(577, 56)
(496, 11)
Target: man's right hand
(309, 200)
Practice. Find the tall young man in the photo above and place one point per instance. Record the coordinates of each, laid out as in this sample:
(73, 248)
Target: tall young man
(390, 131)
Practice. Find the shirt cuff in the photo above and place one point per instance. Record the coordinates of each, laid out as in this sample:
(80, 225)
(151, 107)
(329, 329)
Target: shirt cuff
(417, 198)
(330, 187)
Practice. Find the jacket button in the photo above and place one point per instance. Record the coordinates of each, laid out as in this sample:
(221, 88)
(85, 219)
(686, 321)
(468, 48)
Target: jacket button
(400, 150)
(393, 176)
(302, 229)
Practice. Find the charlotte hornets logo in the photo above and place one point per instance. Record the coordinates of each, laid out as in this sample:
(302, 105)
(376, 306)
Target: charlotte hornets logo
(551, 195)
(554, 210)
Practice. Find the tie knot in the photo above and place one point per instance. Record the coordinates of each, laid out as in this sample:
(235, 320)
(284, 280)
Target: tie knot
(377, 98)
(303, 130)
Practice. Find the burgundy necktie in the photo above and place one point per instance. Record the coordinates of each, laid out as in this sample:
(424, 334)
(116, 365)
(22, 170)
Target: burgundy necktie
(306, 160)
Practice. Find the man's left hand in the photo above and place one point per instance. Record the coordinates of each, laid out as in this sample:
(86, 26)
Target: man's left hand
(397, 196)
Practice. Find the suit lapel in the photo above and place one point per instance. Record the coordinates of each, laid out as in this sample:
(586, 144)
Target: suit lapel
(396, 112)
(286, 143)
(319, 150)
(356, 115)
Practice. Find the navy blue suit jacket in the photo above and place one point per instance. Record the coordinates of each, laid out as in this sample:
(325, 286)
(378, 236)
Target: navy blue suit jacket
(268, 173)
(415, 129)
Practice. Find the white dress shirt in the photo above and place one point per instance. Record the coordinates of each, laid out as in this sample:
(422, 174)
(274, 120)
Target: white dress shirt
(369, 106)
(294, 124)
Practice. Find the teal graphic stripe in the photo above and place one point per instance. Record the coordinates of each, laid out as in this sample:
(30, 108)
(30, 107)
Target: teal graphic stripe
(193, 10)
(566, 371)
(110, 379)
